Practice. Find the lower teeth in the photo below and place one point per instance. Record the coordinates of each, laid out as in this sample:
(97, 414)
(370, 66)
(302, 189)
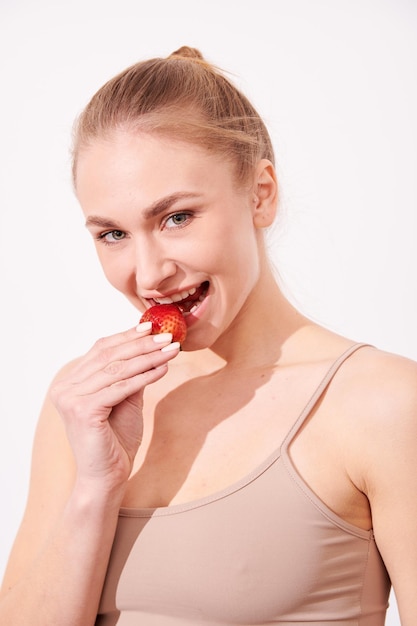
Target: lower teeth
(190, 307)
(194, 307)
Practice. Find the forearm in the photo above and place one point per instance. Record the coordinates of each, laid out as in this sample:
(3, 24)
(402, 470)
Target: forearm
(90, 426)
(65, 581)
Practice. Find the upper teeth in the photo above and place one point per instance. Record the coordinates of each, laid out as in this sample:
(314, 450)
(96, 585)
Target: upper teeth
(176, 297)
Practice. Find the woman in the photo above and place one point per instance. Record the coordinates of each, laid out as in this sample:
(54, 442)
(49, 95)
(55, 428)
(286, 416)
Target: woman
(265, 473)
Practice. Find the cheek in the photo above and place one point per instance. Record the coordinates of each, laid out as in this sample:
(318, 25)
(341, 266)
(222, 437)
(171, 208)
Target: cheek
(115, 270)
(241, 249)
(246, 266)
(233, 241)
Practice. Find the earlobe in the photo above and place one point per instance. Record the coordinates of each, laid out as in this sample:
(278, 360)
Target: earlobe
(265, 194)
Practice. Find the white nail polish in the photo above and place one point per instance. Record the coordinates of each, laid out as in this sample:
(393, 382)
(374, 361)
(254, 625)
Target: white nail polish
(171, 346)
(144, 327)
(162, 337)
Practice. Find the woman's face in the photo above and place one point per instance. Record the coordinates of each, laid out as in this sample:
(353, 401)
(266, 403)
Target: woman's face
(170, 224)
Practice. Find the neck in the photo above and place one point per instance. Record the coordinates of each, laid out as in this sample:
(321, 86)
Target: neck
(266, 322)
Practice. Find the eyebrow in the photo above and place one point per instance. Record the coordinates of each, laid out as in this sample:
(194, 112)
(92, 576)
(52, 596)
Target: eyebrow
(155, 209)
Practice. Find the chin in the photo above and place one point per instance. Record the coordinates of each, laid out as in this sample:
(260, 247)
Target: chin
(199, 340)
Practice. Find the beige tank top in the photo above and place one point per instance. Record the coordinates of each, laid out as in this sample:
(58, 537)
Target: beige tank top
(266, 550)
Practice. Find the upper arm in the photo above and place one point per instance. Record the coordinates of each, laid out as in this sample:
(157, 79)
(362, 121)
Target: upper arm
(390, 474)
(51, 479)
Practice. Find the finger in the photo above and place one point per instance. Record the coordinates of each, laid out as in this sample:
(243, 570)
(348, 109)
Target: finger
(144, 328)
(123, 369)
(112, 395)
(104, 353)
(104, 390)
(118, 392)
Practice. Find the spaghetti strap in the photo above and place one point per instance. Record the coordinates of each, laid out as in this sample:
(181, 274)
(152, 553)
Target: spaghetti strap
(318, 393)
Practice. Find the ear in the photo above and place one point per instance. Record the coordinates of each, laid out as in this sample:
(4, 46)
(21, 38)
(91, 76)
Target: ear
(265, 194)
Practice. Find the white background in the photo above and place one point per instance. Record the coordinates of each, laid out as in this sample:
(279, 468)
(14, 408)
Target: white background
(336, 83)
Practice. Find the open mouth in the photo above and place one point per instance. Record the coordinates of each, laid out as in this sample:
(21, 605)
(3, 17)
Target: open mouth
(186, 301)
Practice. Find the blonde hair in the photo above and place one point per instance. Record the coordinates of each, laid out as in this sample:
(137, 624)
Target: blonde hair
(182, 96)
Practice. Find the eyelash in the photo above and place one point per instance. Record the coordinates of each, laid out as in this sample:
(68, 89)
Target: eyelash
(186, 214)
(102, 237)
(183, 214)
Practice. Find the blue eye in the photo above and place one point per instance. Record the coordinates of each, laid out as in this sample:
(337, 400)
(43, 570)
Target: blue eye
(112, 236)
(177, 220)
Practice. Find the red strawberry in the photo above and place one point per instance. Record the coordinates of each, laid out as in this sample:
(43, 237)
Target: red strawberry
(166, 318)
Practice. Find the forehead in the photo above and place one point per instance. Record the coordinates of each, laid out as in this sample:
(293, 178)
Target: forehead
(126, 163)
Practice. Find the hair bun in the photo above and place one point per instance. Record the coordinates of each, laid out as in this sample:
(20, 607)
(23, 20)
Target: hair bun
(185, 52)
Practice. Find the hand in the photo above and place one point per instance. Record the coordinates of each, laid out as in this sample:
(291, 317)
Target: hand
(100, 400)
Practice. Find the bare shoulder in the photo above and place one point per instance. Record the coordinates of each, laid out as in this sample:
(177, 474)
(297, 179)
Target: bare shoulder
(50, 443)
(376, 396)
(383, 464)
(381, 384)
(51, 450)
(51, 479)
(51, 447)
(374, 390)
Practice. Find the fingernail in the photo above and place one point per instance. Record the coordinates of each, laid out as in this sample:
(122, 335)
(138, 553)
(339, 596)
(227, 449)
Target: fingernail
(143, 327)
(162, 337)
(171, 346)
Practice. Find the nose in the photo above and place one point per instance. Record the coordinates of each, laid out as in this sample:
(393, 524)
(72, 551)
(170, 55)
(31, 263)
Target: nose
(153, 265)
